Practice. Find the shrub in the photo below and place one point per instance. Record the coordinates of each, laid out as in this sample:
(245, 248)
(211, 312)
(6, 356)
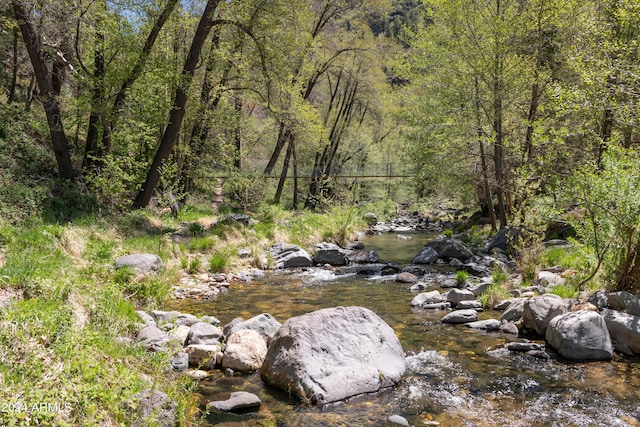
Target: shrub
(219, 262)
(461, 277)
(608, 217)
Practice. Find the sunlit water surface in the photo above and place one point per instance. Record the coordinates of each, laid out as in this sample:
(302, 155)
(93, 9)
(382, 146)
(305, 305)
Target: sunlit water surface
(455, 376)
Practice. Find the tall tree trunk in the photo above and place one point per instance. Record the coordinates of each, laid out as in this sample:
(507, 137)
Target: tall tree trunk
(237, 155)
(47, 92)
(483, 161)
(95, 131)
(285, 171)
(14, 68)
(295, 174)
(498, 147)
(172, 131)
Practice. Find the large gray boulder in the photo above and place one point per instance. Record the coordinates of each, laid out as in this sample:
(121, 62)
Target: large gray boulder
(624, 330)
(245, 351)
(427, 255)
(290, 256)
(330, 253)
(264, 324)
(448, 249)
(538, 312)
(580, 335)
(140, 263)
(334, 353)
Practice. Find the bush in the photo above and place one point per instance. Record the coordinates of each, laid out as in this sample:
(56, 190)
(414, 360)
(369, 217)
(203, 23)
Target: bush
(608, 217)
(219, 262)
(462, 277)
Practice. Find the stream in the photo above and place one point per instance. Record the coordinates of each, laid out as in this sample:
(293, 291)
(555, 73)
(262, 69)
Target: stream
(455, 376)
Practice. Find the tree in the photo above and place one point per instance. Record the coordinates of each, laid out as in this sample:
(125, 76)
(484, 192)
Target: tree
(171, 133)
(48, 91)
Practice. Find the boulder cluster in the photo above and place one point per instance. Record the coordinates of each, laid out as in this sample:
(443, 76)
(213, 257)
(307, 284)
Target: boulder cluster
(321, 357)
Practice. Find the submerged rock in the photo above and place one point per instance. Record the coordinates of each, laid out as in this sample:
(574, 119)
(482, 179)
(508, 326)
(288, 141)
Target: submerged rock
(334, 353)
(239, 401)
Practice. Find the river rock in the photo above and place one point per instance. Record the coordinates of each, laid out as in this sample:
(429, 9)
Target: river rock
(456, 295)
(204, 356)
(397, 420)
(460, 316)
(203, 333)
(625, 301)
(488, 325)
(414, 269)
(480, 288)
(178, 335)
(427, 255)
(290, 256)
(523, 347)
(146, 318)
(186, 319)
(476, 269)
(507, 327)
(140, 263)
(334, 353)
(264, 324)
(624, 330)
(371, 219)
(406, 278)
(329, 253)
(437, 306)
(153, 338)
(469, 304)
(165, 316)
(417, 287)
(503, 240)
(514, 311)
(391, 268)
(245, 351)
(600, 299)
(154, 407)
(580, 335)
(180, 362)
(355, 245)
(538, 312)
(426, 298)
(548, 278)
(448, 249)
(363, 256)
(239, 401)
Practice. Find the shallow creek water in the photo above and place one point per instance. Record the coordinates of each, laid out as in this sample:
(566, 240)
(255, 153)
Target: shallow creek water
(455, 376)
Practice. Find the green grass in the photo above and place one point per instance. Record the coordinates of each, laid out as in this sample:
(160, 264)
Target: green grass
(462, 277)
(219, 262)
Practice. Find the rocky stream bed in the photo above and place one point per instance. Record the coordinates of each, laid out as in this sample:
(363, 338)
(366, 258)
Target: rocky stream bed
(367, 335)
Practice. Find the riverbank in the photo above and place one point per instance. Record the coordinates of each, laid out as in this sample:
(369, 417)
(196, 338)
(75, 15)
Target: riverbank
(69, 317)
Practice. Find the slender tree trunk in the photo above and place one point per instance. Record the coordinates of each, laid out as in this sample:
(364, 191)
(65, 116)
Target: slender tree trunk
(14, 68)
(498, 154)
(172, 131)
(283, 137)
(237, 156)
(49, 99)
(483, 162)
(96, 118)
(285, 171)
(295, 174)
